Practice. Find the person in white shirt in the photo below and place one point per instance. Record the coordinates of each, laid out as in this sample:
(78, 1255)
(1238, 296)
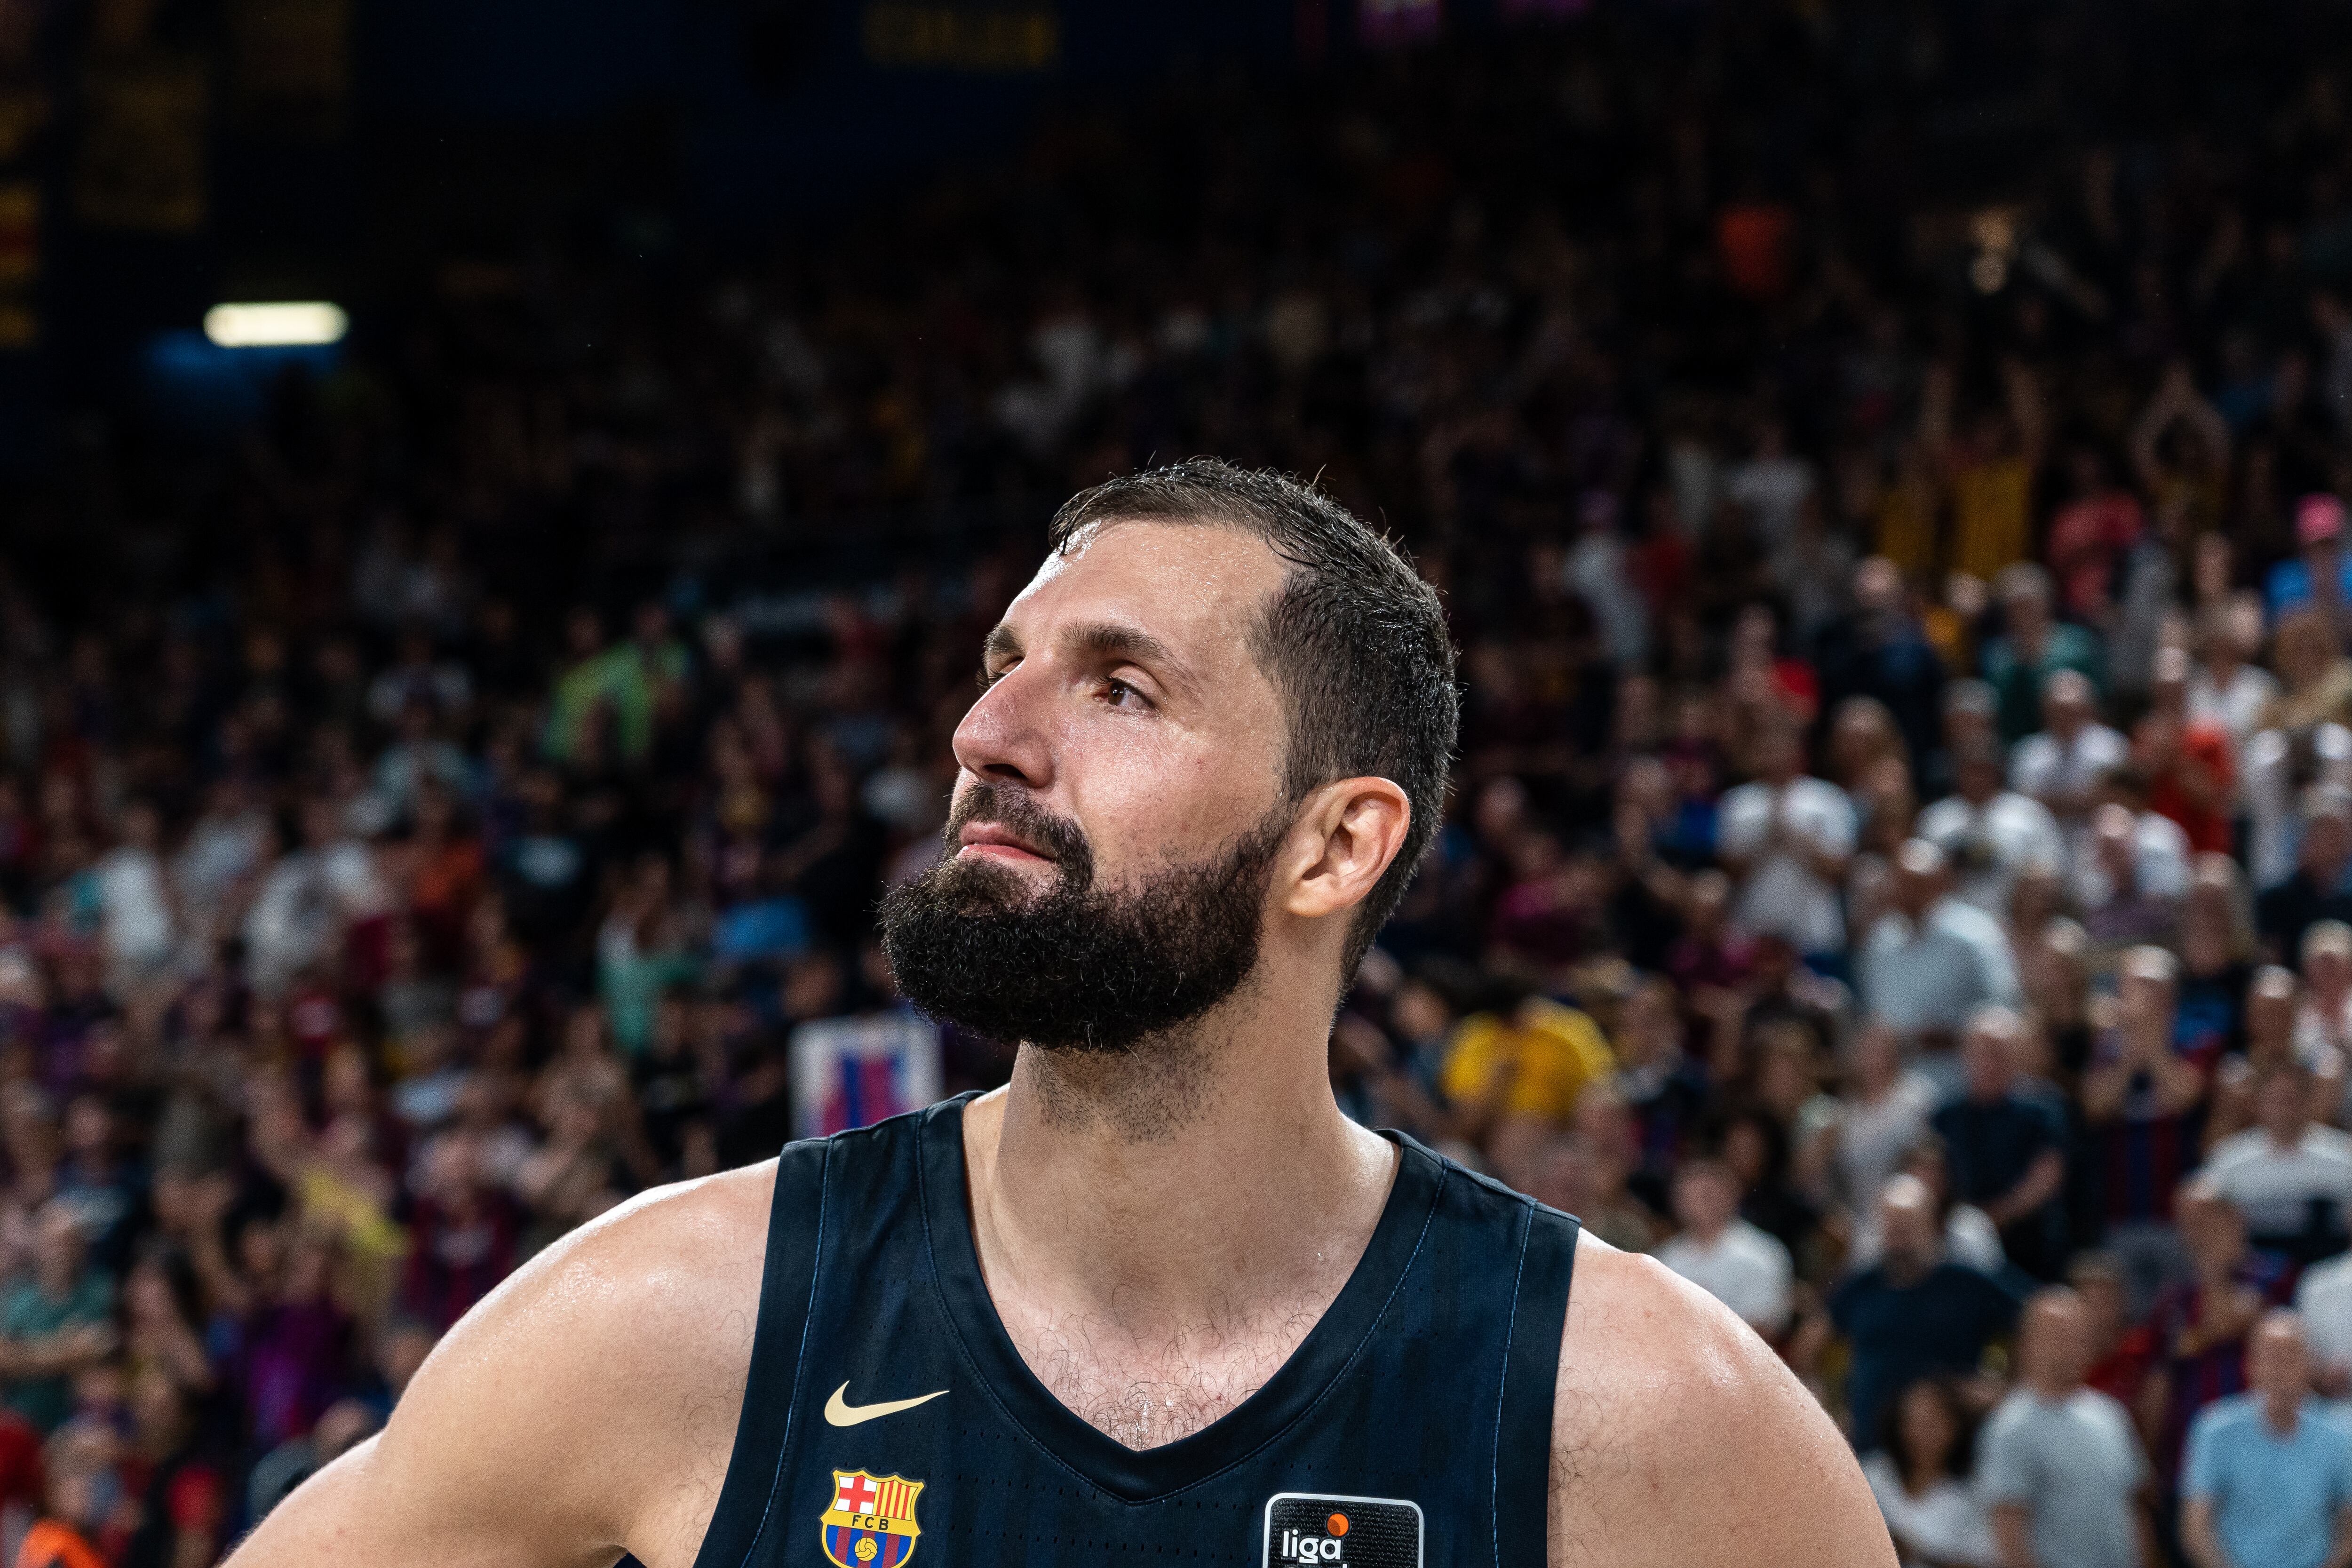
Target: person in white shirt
(2324, 1299)
(224, 846)
(1882, 1111)
(1989, 835)
(2059, 1462)
(1932, 960)
(1771, 485)
(1787, 839)
(2290, 1176)
(2062, 766)
(1920, 1476)
(2274, 773)
(2132, 855)
(2323, 1022)
(2224, 689)
(134, 904)
(1722, 1254)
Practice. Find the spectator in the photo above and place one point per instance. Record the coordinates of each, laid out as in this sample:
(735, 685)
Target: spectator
(79, 1494)
(2062, 1467)
(1970, 1238)
(2324, 1022)
(1932, 960)
(2320, 575)
(2131, 871)
(1882, 1111)
(1921, 1477)
(2005, 1144)
(2276, 771)
(1786, 837)
(2188, 763)
(183, 1512)
(2269, 1478)
(2314, 676)
(2224, 690)
(2316, 891)
(1722, 1254)
(1913, 1313)
(1881, 651)
(133, 902)
(2138, 1094)
(2271, 1039)
(1989, 835)
(2200, 1324)
(2290, 1178)
(2062, 765)
(55, 1321)
(2033, 647)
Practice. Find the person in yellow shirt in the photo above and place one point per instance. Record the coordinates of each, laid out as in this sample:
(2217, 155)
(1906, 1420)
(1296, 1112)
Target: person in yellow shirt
(1529, 1066)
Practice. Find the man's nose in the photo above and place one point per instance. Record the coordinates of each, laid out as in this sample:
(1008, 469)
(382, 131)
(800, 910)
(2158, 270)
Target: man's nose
(1002, 737)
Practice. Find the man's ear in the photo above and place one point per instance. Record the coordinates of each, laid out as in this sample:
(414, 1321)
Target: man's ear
(1356, 827)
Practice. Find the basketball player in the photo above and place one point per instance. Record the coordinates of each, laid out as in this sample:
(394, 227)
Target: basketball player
(1157, 1299)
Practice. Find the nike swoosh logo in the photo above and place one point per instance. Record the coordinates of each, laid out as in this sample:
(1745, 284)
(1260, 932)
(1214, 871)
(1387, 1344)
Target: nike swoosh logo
(841, 1412)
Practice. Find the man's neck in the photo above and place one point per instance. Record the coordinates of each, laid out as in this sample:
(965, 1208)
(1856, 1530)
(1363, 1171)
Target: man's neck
(2051, 1391)
(2281, 1413)
(1135, 1188)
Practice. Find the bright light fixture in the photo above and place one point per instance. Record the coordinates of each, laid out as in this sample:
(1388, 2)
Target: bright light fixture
(288, 325)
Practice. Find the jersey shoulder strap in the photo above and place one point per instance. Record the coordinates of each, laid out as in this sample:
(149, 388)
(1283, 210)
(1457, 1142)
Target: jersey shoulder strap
(772, 1391)
(1521, 1463)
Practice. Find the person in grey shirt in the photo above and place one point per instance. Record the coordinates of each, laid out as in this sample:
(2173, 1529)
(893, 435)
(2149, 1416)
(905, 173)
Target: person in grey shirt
(2060, 1464)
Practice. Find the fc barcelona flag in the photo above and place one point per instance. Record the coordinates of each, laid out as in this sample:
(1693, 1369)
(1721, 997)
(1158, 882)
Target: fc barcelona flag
(871, 1523)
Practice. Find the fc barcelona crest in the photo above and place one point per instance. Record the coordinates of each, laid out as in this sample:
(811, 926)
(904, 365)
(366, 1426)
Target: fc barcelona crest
(871, 1523)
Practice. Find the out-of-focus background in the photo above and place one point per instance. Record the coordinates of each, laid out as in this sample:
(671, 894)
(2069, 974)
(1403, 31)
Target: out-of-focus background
(499, 501)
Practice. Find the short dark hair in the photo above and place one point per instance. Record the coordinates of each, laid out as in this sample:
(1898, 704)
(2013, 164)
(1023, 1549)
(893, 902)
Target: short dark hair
(1354, 639)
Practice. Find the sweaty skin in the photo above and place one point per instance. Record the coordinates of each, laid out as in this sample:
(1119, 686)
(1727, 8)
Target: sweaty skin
(589, 1404)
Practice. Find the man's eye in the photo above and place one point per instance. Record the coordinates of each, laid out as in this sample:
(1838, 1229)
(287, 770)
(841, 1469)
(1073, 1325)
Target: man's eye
(1122, 695)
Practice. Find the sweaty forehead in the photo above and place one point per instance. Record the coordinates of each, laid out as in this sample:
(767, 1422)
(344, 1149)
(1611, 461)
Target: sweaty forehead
(1197, 587)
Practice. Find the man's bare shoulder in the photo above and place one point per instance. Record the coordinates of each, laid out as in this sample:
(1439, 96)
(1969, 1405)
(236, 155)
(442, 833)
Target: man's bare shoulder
(586, 1405)
(1679, 1438)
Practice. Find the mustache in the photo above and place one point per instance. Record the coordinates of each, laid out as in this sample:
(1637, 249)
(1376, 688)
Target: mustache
(1015, 811)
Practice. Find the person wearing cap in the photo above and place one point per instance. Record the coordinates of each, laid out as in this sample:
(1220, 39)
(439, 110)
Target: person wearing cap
(2321, 571)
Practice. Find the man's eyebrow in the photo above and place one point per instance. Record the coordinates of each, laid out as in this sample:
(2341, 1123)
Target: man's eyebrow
(1108, 639)
(1003, 642)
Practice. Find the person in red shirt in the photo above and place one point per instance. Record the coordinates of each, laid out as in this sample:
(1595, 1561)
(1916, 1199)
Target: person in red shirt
(2187, 762)
(2090, 535)
(2122, 1353)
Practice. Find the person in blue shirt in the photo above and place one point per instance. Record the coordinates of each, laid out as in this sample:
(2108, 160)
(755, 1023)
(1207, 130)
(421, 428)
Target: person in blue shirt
(2268, 1483)
(2320, 561)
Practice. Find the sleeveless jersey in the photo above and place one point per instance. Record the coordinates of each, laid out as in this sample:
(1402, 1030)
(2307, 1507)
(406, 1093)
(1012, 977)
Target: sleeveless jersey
(889, 1420)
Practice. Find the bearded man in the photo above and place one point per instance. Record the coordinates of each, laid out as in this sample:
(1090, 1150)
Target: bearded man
(1156, 1296)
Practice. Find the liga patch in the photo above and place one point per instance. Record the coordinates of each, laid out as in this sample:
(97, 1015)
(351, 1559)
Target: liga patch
(1364, 1531)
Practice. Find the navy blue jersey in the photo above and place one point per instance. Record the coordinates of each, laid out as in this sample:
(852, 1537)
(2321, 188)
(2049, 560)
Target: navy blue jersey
(888, 1418)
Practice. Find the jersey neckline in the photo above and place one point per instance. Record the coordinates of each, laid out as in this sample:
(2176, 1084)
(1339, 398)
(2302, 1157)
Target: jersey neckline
(1147, 1474)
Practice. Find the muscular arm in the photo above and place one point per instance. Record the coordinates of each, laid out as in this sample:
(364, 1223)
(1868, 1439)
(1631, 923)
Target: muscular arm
(1680, 1441)
(586, 1407)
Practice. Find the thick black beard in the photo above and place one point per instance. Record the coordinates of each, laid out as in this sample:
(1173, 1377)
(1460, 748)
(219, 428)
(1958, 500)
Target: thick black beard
(1076, 967)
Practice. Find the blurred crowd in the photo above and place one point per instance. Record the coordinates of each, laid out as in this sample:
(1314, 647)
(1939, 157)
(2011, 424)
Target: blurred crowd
(1889, 499)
